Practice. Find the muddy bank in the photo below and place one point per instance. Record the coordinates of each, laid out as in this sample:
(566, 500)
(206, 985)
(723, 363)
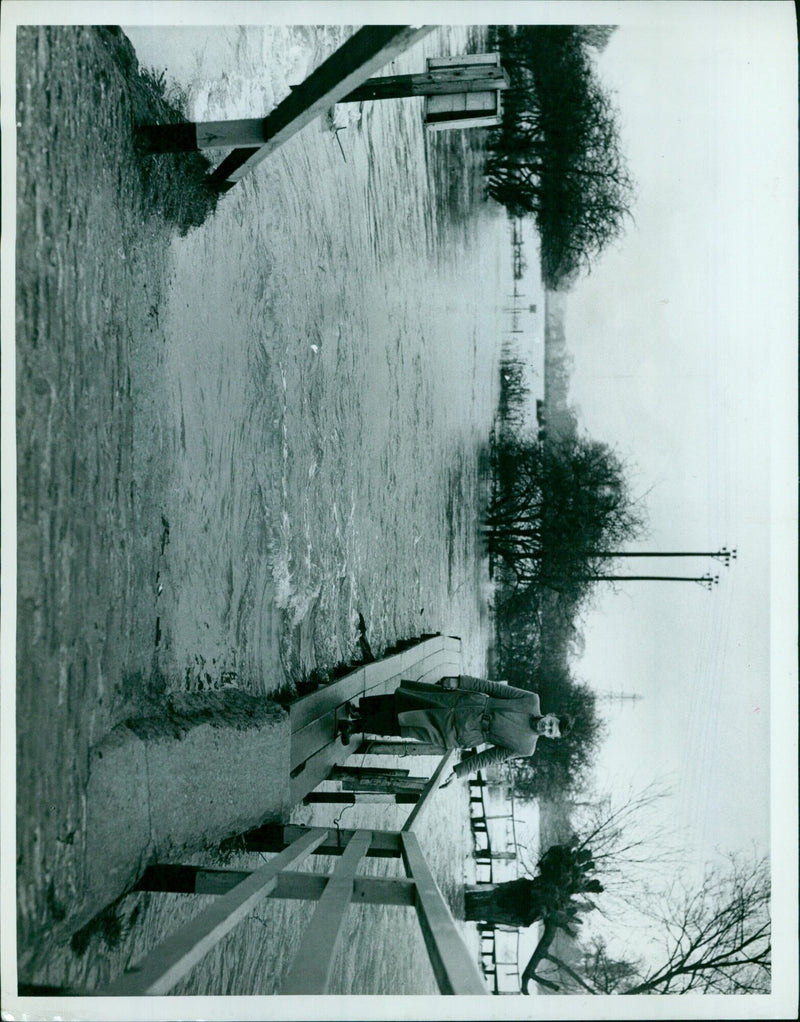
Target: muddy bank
(91, 257)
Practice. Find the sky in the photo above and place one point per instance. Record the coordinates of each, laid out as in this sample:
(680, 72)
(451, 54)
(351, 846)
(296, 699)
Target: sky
(677, 335)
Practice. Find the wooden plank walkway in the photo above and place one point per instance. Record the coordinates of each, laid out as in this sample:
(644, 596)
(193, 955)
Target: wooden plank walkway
(315, 748)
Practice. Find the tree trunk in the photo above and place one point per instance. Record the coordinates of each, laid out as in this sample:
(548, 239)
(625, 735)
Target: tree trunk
(516, 903)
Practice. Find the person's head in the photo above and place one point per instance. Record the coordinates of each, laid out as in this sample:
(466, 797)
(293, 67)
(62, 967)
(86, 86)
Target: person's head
(554, 725)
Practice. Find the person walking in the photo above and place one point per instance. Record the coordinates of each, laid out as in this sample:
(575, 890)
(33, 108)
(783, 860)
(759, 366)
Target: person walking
(459, 712)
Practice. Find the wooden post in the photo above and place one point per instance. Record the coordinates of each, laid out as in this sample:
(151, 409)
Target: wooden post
(274, 837)
(355, 797)
(311, 970)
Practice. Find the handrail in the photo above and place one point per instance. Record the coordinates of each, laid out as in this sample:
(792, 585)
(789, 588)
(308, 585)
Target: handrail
(455, 971)
(427, 792)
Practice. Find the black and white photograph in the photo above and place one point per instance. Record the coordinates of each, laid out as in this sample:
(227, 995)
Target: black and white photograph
(399, 510)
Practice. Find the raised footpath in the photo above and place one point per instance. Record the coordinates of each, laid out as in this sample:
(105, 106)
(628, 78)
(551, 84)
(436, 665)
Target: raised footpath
(213, 765)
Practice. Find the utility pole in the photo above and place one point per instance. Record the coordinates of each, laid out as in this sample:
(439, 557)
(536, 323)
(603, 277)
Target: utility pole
(723, 555)
(705, 580)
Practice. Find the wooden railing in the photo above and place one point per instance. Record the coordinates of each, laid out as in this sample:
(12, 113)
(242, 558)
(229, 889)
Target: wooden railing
(495, 967)
(239, 893)
(486, 855)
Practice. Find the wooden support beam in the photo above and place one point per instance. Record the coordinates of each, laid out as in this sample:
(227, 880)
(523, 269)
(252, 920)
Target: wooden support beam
(348, 772)
(351, 65)
(389, 785)
(355, 797)
(274, 837)
(185, 879)
(158, 972)
(437, 82)
(366, 890)
(311, 970)
(455, 971)
(375, 747)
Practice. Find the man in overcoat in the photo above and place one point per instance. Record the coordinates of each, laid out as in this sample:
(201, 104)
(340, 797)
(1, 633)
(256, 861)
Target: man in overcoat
(459, 712)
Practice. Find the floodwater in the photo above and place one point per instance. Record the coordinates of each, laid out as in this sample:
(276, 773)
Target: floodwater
(234, 443)
(328, 381)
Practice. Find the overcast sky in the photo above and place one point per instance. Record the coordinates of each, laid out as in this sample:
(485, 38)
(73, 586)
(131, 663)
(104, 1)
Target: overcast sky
(673, 335)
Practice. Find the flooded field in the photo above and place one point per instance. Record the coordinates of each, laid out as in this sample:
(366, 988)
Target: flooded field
(231, 444)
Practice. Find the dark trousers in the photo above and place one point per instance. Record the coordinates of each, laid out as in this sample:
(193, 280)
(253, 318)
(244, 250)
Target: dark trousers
(378, 715)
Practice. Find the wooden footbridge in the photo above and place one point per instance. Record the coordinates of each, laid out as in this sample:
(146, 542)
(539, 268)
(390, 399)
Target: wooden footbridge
(317, 755)
(315, 749)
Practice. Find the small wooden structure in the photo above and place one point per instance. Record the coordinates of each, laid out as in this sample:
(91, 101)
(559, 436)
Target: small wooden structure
(494, 966)
(461, 92)
(478, 104)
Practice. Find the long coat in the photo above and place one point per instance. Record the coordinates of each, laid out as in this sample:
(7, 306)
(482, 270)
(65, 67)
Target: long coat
(476, 712)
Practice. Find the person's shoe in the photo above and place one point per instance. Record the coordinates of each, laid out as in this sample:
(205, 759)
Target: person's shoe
(344, 728)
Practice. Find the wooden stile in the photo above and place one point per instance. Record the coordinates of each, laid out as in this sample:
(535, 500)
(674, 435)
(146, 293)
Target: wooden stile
(159, 971)
(311, 970)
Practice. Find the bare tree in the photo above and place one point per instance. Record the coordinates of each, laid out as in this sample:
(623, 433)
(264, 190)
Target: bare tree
(716, 939)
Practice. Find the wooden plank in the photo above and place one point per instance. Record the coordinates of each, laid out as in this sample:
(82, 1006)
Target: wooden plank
(345, 773)
(463, 59)
(463, 122)
(377, 747)
(316, 769)
(455, 971)
(482, 102)
(311, 738)
(185, 879)
(159, 971)
(311, 970)
(325, 699)
(400, 798)
(435, 82)
(375, 673)
(426, 796)
(274, 837)
(386, 784)
(351, 65)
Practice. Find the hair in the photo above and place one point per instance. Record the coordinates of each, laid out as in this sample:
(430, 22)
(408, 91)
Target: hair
(565, 723)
